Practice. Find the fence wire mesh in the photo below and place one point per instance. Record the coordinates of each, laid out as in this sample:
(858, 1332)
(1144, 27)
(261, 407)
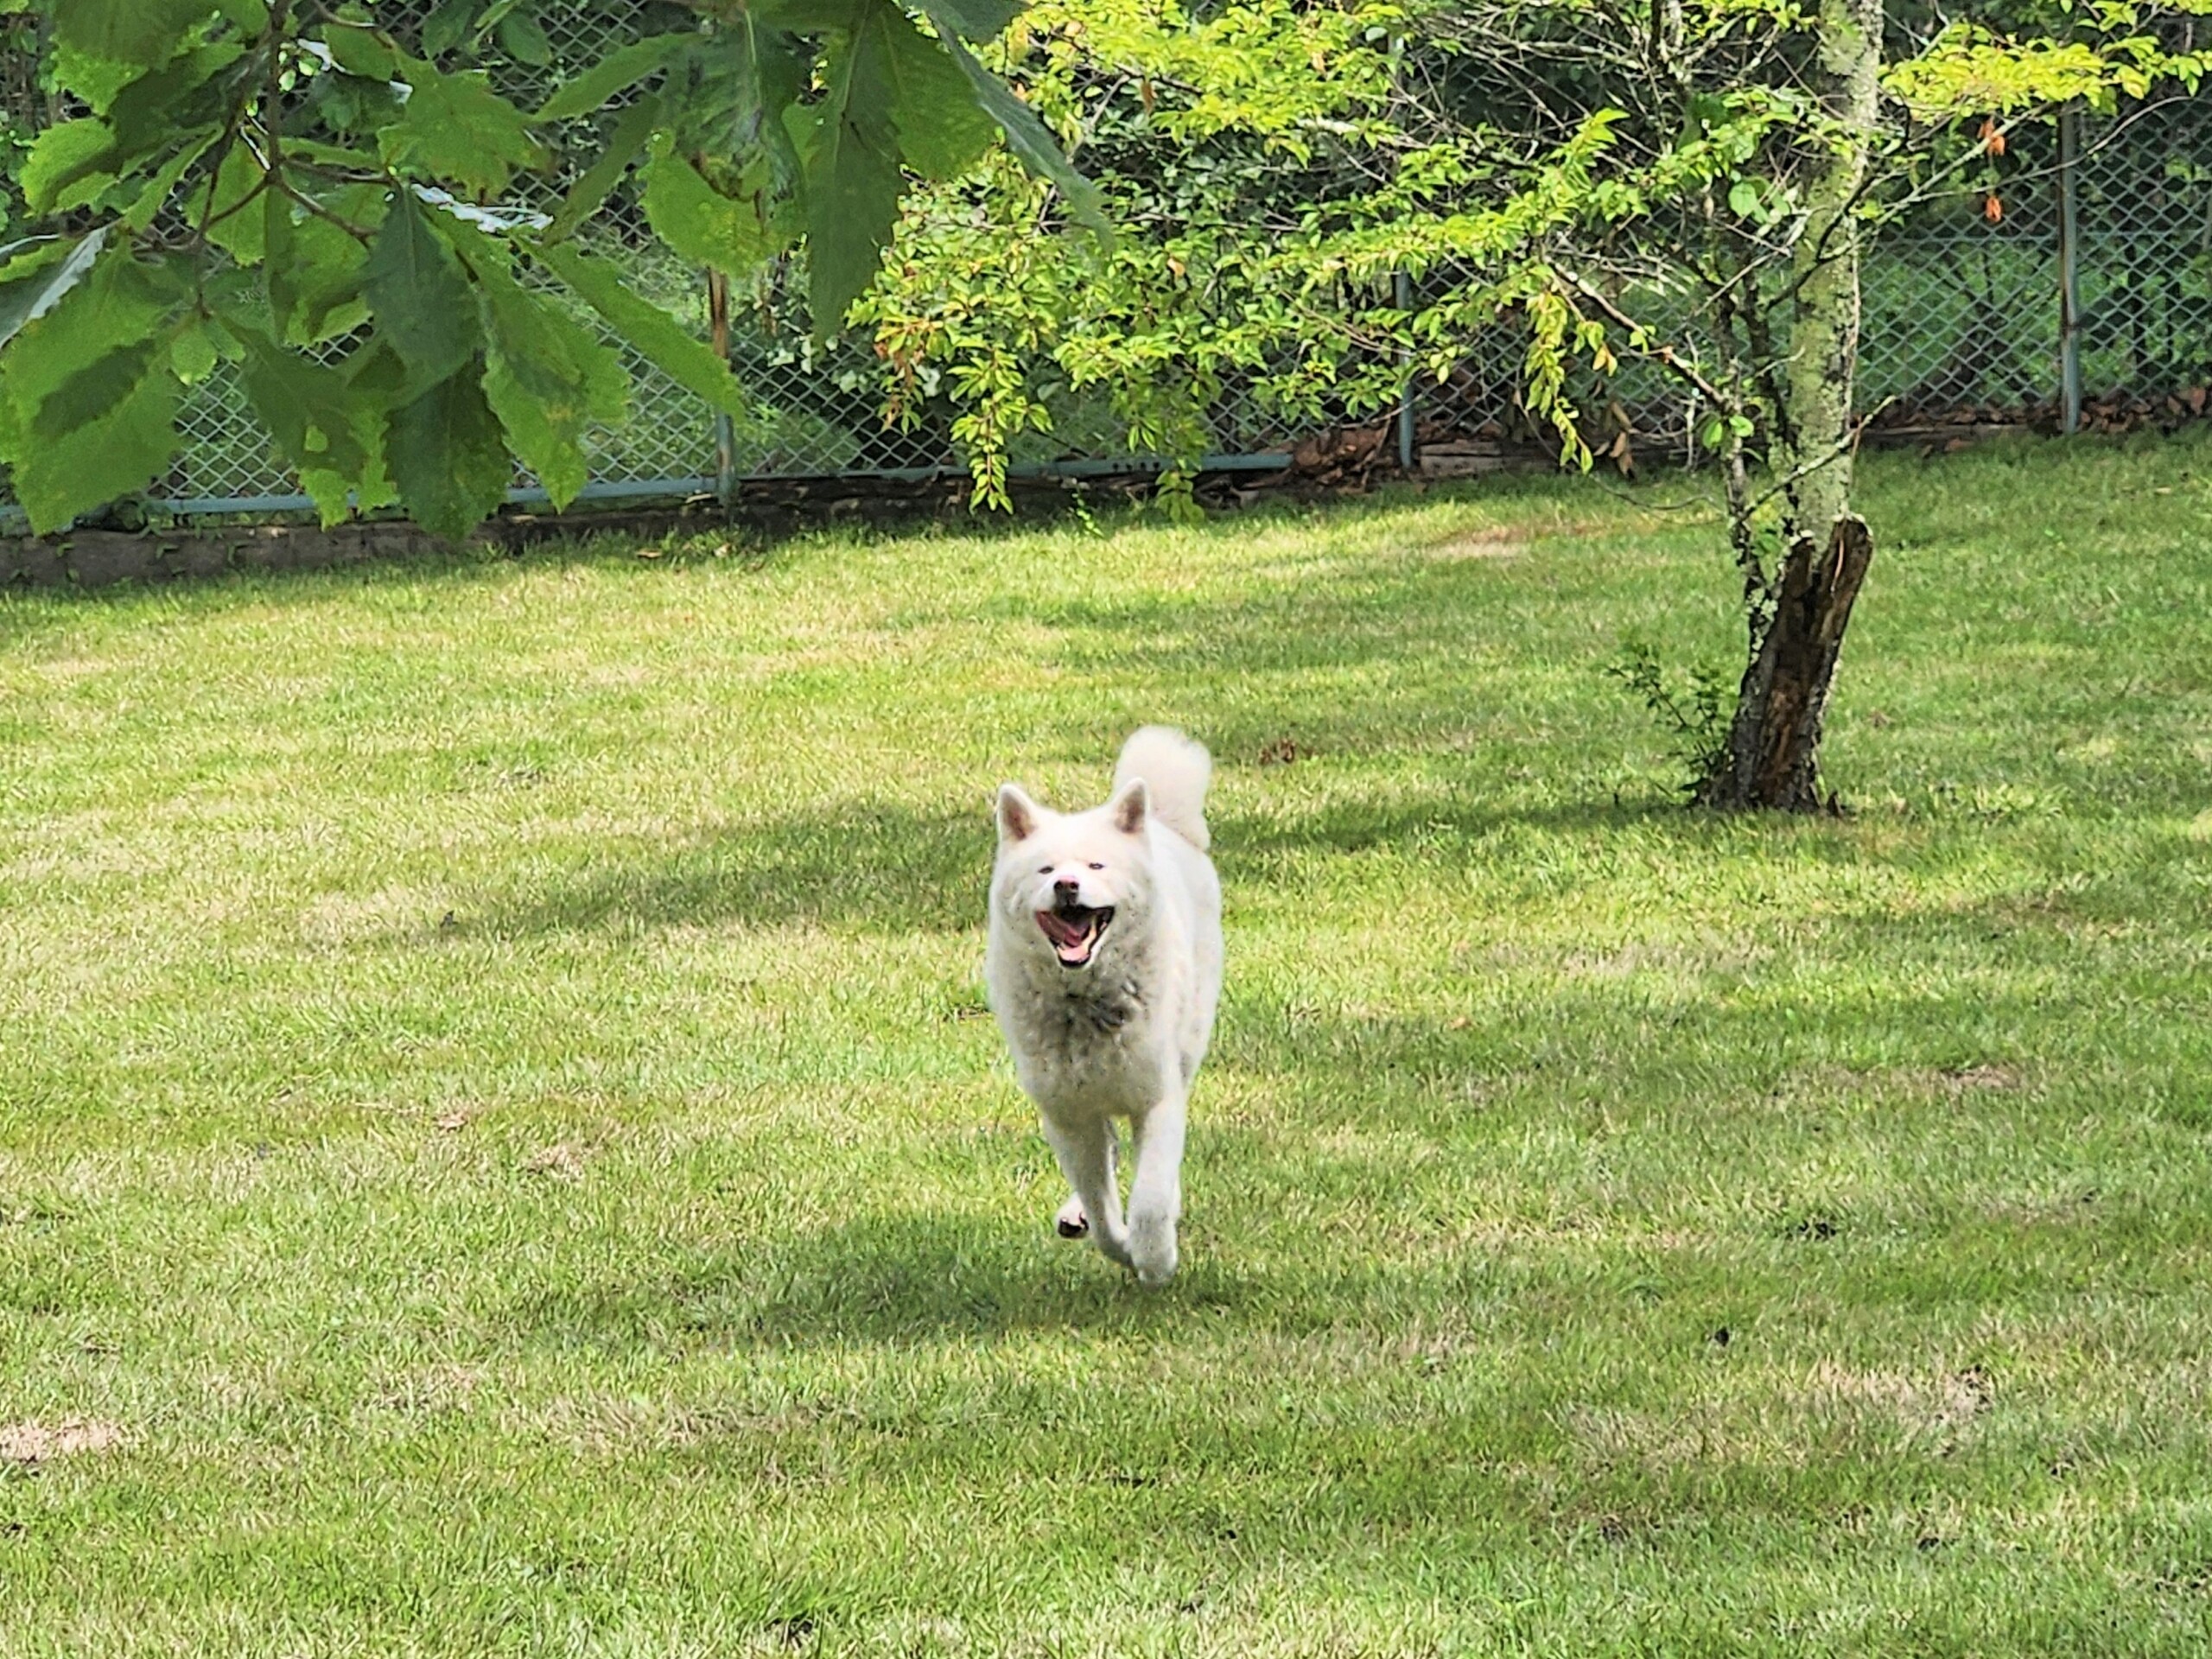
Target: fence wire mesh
(1962, 311)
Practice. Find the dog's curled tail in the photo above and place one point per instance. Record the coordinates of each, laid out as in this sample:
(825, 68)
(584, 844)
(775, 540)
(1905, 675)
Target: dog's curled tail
(1175, 771)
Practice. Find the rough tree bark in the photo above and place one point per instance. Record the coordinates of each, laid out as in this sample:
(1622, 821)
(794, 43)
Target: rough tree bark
(1798, 613)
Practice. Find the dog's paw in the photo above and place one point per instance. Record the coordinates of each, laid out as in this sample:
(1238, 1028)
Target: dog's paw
(1152, 1254)
(1071, 1223)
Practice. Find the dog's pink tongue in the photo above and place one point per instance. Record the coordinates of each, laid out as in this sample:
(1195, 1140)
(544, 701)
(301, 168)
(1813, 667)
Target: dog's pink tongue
(1060, 929)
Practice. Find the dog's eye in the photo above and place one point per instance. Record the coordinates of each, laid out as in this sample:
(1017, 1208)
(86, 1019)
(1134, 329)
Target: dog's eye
(1044, 869)
(1098, 867)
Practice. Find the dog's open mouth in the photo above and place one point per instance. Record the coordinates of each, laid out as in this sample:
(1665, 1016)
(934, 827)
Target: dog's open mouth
(1075, 931)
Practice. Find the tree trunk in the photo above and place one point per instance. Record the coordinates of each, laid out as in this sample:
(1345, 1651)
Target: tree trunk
(1772, 748)
(1797, 616)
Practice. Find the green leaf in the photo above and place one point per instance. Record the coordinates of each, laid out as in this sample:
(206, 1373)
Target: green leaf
(119, 304)
(315, 269)
(849, 154)
(446, 26)
(59, 475)
(234, 223)
(33, 284)
(192, 358)
(361, 50)
(146, 114)
(700, 223)
(941, 128)
(691, 363)
(975, 20)
(522, 39)
(307, 406)
(447, 457)
(419, 297)
(151, 201)
(98, 462)
(144, 32)
(623, 67)
(546, 376)
(598, 180)
(807, 17)
(94, 81)
(94, 390)
(456, 128)
(1744, 199)
(1025, 133)
(544, 432)
(64, 167)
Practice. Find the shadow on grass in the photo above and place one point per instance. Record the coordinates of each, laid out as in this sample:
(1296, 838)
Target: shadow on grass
(887, 868)
(883, 1278)
(890, 868)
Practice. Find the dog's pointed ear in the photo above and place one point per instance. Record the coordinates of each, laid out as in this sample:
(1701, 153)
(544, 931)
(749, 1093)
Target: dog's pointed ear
(1017, 814)
(1127, 810)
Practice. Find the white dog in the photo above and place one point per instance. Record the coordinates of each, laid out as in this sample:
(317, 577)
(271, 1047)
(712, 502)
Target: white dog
(1104, 968)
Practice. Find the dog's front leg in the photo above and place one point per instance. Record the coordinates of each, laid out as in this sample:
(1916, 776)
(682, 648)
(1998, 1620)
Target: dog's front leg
(1086, 1154)
(1156, 1191)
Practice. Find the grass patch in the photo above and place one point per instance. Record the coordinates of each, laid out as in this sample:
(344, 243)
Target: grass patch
(501, 1149)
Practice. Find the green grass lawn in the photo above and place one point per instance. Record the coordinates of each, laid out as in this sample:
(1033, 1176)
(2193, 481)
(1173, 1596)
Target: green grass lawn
(502, 1149)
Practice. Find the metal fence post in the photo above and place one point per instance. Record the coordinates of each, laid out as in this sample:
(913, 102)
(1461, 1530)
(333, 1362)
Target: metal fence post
(2069, 289)
(1404, 295)
(725, 428)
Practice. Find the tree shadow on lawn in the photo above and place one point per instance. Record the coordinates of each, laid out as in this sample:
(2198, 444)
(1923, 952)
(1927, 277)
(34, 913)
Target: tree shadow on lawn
(886, 1278)
(889, 868)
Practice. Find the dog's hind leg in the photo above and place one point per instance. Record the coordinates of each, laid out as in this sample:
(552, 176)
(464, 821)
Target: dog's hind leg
(1156, 1192)
(1086, 1155)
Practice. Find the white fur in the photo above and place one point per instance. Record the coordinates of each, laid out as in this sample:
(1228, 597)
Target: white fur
(1121, 1035)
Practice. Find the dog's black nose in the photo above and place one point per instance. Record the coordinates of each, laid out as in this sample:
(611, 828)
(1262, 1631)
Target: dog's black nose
(1066, 887)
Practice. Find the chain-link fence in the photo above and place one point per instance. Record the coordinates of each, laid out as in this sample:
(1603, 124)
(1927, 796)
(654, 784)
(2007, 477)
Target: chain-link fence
(1964, 314)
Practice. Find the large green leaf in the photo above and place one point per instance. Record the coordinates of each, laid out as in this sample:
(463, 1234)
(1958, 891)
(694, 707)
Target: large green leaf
(418, 294)
(942, 129)
(546, 376)
(70, 163)
(975, 20)
(691, 363)
(310, 410)
(625, 67)
(361, 50)
(522, 37)
(705, 227)
(458, 130)
(447, 457)
(119, 303)
(88, 395)
(103, 383)
(235, 222)
(1025, 133)
(315, 269)
(155, 196)
(59, 475)
(849, 154)
(144, 32)
(599, 180)
(448, 25)
(35, 281)
(541, 420)
(146, 113)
